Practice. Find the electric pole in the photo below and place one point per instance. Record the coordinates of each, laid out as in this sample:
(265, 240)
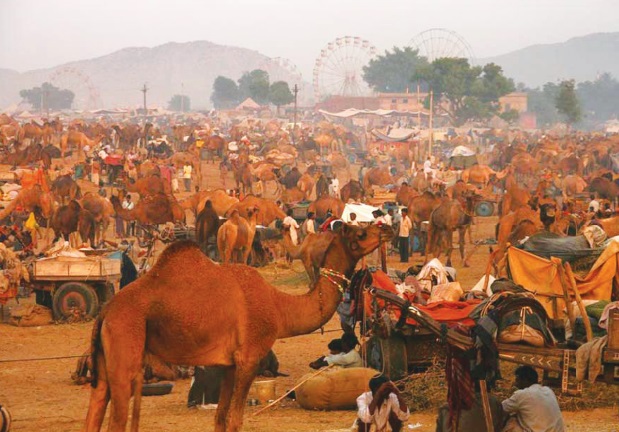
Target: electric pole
(295, 90)
(182, 97)
(144, 90)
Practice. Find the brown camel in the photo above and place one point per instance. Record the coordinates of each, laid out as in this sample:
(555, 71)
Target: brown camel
(207, 225)
(268, 212)
(71, 218)
(79, 140)
(148, 186)
(324, 204)
(65, 188)
(31, 199)
(421, 207)
(377, 176)
(353, 190)
(189, 310)
(292, 195)
(156, 209)
(243, 177)
(236, 236)
(480, 175)
(222, 202)
(405, 194)
(573, 184)
(450, 216)
(306, 184)
(311, 252)
(102, 211)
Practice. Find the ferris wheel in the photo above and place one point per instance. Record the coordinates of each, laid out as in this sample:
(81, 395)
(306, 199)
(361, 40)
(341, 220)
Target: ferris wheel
(282, 69)
(438, 43)
(339, 68)
(86, 94)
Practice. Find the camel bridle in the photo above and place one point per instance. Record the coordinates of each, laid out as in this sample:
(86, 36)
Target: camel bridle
(331, 276)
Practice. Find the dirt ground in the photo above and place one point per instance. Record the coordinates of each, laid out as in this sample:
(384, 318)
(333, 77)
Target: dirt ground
(41, 395)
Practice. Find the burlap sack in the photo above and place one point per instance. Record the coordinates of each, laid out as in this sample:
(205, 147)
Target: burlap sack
(451, 291)
(335, 389)
(30, 315)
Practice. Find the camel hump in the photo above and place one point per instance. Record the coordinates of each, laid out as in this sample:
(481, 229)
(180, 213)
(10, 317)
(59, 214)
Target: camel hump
(177, 248)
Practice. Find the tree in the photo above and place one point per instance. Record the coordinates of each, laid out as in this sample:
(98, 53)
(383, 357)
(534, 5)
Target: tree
(542, 103)
(280, 94)
(567, 102)
(180, 103)
(599, 98)
(255, 84)
(463, 92)
(393, 72)
(48, 97)
(225, 93)
(510, 116)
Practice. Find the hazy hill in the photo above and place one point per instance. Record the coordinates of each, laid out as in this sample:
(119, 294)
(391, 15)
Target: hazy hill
(169, 69)
(581, 58)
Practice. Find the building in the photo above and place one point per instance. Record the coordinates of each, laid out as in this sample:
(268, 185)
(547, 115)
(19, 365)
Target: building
(514, 101)
(401, 101)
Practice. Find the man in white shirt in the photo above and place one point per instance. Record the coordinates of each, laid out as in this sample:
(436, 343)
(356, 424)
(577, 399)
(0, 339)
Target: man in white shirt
(334, 187)
(129, 226)
(534, 407)
(427, 167)
(290, 223)
(382, 407)
(353, 219)
(405, 229)
(342, 354)
(594, 205)
(389, 217)
(187, 169)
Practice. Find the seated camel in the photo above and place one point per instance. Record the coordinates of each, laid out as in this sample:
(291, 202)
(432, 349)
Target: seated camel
(311, 251)
(156, 209)
(236, 236)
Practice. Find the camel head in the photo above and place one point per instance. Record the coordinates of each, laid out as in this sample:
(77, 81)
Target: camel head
(360, 241)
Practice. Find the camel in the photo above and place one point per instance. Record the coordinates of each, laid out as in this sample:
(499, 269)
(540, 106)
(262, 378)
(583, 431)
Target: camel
(306, 184)
(405, 194)
(353, 190)
(291, 179)
(179, 159)
(77, 139)
(377, 176)
(222, 202)
(323, 205)
(237, 235)
(31, 199)
(311, 252)
(604, 188)
(292, 195)
(71, 218)
(155, 209)
(421, 207)
(480, 175)
(64, 187)
(268, 210)
(148, 186)
(207, 225)
(189, 310)
(267, 172)
(450, 216)
(573, 184)
(420, 183)
(102, 211)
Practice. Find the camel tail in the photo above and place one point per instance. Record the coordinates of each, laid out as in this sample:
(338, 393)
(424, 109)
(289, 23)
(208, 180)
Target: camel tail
(95, 349)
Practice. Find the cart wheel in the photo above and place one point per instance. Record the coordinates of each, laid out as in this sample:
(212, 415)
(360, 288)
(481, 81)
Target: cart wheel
(105, 293)
(75, 295)
(389, 356)
(484, 209)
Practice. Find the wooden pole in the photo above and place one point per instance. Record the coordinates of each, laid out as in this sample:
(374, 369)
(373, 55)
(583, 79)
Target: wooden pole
(292, 389)
(581, 306)
(485, 403)
(383, 256)
(431, 124)
(566, 295)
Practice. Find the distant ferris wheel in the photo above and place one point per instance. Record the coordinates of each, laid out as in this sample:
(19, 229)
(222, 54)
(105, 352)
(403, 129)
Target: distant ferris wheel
(86, 94)
(339, 68)
(438, 43)
(282, 69)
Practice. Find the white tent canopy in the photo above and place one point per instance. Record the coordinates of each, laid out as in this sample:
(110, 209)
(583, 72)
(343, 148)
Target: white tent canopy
(462, 151)
(363, 212)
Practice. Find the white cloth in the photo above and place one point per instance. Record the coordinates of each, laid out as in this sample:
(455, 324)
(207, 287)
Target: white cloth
(595, 204)
(380, 418)
(427, 166)
(334, 187)
(128, 205)
(405, 226)
(102, 154)
(536, 409)
(294, 226)
(346, 360)
(606, 312)
(388, 219)
(354, 223)
(187, 169)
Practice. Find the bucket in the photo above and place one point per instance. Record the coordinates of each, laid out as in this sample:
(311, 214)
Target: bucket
(264, 391)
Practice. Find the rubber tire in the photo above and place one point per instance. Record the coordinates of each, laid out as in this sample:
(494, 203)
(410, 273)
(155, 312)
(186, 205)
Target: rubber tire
(484, 209)
(105, 293)
(75, 294)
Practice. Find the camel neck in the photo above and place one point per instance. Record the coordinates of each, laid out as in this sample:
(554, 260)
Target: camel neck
(305, 313)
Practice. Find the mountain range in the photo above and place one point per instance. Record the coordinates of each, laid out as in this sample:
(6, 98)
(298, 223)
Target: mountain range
(115, 80)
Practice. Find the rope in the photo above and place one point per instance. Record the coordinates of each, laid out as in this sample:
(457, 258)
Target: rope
(42, 358)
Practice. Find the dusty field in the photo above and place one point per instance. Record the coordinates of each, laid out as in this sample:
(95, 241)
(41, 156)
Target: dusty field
(42, 397)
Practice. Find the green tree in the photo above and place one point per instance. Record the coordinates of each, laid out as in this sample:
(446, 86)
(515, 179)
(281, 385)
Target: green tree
(465, 92)
(225, 93)
(510, 116)
(599, 98)
(255, 84)
(393, 72)
(567, 102)
(180, 103)
(542, 103)
(280, 94)
(48, 97)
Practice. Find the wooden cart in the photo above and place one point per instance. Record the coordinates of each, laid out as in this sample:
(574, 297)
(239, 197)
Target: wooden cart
(75, 286)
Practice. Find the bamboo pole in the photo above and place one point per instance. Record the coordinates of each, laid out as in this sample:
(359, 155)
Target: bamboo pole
(485, 403)
(383, 256)
(566, 296)
(291, 390)
(581, 306)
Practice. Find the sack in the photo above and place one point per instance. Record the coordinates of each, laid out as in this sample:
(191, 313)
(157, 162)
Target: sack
(335, 389)
(519, 326)
(31, 315)
(451, 291)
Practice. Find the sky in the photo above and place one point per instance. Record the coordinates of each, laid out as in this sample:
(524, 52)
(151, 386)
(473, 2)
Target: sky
(44, 33)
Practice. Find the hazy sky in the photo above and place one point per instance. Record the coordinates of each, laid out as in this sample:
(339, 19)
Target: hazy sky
(44, 33)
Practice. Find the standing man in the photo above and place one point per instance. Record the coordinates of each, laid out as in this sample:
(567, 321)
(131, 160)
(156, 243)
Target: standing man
(130, 226)
(427, 167)
(534, 408)
(309, 226)
(187, 169)
(335, 187)
(403, 235)
(382, 407)
(290, 223)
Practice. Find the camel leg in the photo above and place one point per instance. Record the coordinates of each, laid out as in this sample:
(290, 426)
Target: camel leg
(225, 397)
(462, 240)
(245, 373)
(99, 398)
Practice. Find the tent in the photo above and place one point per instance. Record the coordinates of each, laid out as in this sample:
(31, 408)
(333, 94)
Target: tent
(395, 135)
(248, 104)
(544, 277)
(462, 157)
(363, 212)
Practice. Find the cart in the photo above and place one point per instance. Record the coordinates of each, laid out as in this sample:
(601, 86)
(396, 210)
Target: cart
(75, 285)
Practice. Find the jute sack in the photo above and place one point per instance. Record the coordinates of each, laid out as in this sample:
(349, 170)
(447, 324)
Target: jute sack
(30, 315)
(335, 389)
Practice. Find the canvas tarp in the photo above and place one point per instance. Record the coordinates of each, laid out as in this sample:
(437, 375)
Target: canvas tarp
(395, 135)
(542, 277)
(363, 212)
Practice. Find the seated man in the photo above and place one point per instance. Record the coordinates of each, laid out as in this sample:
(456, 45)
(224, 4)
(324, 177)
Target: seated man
(472, 419)
(534, 407)
(382, 407)
(342, 353)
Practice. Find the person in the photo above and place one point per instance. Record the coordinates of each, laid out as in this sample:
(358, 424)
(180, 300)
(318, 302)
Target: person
(534, 408)
(187, 169)
(594, 205)
(334, 187)
(205, 387)
(379, 217)
(353, 219)
(403, 235)
(291, 223)
(389, 217)
(427, 167)
(382, 407)
(472, 419)
(130, 226)
(309, 226)
(342, 353)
